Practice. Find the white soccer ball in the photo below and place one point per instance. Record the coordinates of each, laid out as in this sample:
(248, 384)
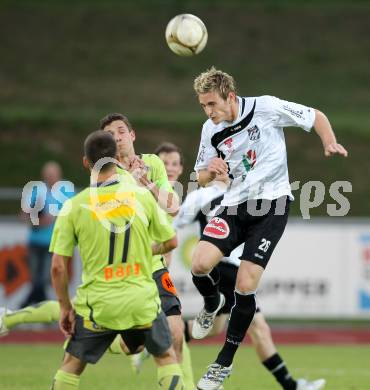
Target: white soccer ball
(186, 35)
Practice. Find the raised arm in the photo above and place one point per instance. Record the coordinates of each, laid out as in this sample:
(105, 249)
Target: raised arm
(324, 130)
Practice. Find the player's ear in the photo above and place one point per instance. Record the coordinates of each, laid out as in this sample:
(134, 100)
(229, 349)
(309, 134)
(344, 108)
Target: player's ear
(231, 96)
(85, 162)
(133, 135)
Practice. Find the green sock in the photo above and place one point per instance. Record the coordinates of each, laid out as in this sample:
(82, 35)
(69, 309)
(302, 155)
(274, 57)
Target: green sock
(186, 367)
(43, 312)
(65, 381)
(170, 377)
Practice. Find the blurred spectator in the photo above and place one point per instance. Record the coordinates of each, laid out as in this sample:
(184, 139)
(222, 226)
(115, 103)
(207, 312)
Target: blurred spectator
(45, 202)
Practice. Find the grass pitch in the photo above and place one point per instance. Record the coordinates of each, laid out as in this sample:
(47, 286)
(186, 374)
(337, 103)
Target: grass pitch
(31, 367)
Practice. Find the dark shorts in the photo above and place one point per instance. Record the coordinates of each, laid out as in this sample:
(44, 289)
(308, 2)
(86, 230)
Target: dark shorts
(88, 344)
(170, 302)
(228, 274)
(240, 224)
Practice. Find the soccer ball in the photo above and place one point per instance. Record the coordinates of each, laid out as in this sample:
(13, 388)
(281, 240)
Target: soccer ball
(186, 35)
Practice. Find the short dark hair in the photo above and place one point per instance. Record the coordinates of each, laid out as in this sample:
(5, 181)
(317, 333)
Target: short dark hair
(100, 144)
(116, 116)
(169, 147)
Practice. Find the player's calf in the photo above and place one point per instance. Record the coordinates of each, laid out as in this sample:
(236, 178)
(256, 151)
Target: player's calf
(240, 318)
(177, 332)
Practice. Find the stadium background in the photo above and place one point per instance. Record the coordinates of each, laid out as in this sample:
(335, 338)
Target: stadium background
(65, 64)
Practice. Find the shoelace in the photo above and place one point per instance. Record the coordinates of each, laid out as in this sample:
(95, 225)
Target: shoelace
(216, 373)
(205, 319)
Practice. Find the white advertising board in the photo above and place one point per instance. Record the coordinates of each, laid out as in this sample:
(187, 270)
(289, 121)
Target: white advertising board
(319, 269)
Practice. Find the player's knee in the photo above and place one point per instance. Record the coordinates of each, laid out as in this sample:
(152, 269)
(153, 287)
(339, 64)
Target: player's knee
(201, 264)
(72, 365)
(166, 357)
(199, 267)
(245, 286)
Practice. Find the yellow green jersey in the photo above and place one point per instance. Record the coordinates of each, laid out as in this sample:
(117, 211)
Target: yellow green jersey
(157, 174)
(114, 227)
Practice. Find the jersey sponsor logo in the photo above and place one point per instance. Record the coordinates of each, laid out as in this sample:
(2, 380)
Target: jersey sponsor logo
(217, 228)
(249, 160)
(120, 204)
(229, 143)
(167, 283)
(296, 113)
(254, 133)
(121, 271)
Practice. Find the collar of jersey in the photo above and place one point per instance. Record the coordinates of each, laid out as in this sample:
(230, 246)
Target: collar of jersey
(105, 183)
(240, 114)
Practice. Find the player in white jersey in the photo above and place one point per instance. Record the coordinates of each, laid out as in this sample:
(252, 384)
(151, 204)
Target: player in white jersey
(200, 206)
(244, 140)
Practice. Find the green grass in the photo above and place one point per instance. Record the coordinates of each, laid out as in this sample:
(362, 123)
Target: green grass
(344, 367)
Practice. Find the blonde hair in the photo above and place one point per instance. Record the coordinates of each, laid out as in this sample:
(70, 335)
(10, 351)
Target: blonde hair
(215, 80)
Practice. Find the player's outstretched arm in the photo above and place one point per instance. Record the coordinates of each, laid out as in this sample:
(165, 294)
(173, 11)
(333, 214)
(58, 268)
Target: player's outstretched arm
(324, 130)
(59, 277)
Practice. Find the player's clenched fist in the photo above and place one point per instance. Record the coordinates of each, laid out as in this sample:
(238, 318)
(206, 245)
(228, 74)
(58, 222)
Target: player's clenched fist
(217, 166)
(135, 162)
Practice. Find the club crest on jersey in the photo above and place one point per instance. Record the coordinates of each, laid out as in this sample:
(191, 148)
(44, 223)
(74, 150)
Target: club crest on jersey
(254, 133)
(229, 143)
(217, 228)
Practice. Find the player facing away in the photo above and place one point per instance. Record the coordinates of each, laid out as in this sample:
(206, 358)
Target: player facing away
(200, 206)
(243, 138)
(114, 224)
(150, 172)
(156, 179)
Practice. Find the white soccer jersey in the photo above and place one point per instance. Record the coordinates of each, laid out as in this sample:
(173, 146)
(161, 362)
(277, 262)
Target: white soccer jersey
(254, 147)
